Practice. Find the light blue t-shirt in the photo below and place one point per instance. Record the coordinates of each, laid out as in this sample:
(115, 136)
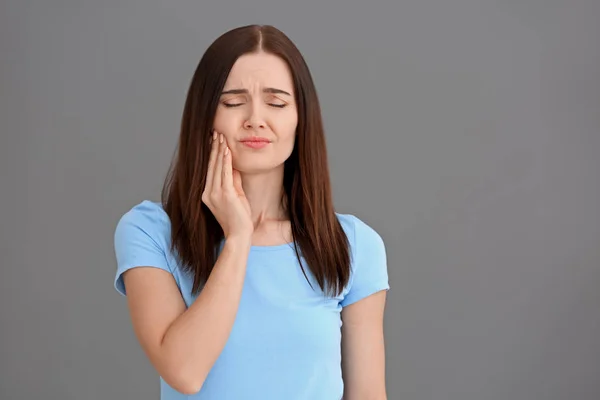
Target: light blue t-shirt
(285, 341)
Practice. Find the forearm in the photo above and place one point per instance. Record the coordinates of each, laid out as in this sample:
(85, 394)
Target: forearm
(194, 341)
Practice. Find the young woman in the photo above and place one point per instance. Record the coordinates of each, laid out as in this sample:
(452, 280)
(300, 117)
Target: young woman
(243, 282)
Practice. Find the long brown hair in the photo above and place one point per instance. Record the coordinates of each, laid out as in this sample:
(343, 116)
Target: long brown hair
(316, 231)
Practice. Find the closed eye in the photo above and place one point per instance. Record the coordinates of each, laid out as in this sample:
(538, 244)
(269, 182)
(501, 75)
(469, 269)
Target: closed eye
(232, 105)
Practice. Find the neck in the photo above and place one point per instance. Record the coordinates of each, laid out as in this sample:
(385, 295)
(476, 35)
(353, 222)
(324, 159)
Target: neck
(264, 192)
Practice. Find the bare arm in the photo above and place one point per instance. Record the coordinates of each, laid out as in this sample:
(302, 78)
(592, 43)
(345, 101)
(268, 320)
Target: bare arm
(183, 344)
(363, 354)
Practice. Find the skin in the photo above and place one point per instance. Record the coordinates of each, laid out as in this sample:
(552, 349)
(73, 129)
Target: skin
(266, 109)
(243, 191)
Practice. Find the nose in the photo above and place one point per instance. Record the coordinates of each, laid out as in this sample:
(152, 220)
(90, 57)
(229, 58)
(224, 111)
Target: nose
(255, 119)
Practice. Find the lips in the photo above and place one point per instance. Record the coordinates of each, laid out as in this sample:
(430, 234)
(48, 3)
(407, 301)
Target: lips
(255, 142)
(255, 139)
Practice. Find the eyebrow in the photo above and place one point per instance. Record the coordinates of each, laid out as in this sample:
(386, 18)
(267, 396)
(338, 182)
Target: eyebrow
(265, 90)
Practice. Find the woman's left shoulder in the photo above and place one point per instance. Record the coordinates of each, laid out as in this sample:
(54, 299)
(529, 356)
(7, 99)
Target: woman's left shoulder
(358, 230)
(369, 259)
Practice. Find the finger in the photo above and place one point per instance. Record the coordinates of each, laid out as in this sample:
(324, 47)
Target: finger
(227, 169)
(217, 176)
(211, 161)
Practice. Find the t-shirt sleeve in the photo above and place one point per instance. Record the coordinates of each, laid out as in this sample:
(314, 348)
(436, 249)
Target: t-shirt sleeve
(369, 265)
(138, 242)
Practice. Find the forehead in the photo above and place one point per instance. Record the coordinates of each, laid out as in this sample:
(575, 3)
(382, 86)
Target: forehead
(260, 69)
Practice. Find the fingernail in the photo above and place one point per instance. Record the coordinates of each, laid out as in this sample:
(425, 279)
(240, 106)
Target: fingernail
(226, 150)
(215, 135)
(221, 138)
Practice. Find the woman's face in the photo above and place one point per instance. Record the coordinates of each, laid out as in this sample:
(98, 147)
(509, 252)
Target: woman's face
(258, 104)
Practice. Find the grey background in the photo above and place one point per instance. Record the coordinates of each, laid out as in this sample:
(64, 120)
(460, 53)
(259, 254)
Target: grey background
(466, 132)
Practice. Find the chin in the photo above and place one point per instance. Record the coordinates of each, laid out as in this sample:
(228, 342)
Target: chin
(254, 167)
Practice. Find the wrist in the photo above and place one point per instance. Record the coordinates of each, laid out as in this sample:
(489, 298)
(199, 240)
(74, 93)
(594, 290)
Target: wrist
(240, 240)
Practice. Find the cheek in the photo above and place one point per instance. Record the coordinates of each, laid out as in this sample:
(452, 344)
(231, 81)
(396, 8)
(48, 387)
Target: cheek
(225, 124)
(286, 140)
(285, 126)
